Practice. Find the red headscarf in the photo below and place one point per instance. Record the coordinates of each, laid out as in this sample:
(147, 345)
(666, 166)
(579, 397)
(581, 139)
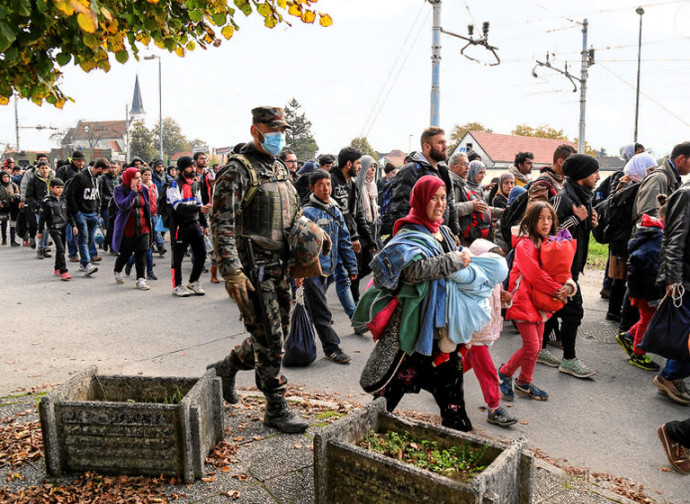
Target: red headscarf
(422, 192)
(128, 175)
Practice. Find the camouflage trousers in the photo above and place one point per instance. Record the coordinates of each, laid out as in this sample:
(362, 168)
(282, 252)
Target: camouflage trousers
(268, 327)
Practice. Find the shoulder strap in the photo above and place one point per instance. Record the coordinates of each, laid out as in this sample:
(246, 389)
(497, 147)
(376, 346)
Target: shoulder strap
(312, 205)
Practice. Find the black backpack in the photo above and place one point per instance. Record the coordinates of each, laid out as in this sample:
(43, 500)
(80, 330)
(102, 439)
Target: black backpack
(616, 216)
(164, 208)
(387, 197)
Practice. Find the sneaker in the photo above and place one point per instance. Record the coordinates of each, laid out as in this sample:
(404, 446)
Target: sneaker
(505, 383)
(605, 293)
(531, 391)
(88, 269)
(141, 284)
(626, 342)
(677, 454)
(500, 416)
(181, 291)
(195, 287)
(151, 276)
(576, 368)
(47, 254)
(96, 258)
(128, 269)
(643, 361)
(338, 356)
(66, 276)
(57, 272)
(15, 244)
(361, 330)
(119, 277)
(613, 317)
(548, 359)
(162, 251)
(675, 389)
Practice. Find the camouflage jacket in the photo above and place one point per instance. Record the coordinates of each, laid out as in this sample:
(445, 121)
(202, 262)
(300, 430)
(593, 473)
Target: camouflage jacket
(232, 183)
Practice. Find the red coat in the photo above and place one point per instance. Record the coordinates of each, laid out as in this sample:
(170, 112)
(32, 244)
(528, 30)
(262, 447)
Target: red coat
(526, 264)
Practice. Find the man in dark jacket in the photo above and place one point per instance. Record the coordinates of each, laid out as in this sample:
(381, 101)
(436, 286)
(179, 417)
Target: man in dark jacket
(65, 173)
(346, 194)
(106, 184)
(83, 203)
(573, 205)
(674, 269)
(36, 189)
(431, 161)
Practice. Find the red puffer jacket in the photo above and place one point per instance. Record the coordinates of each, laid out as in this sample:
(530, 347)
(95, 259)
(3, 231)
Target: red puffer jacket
(527, 269)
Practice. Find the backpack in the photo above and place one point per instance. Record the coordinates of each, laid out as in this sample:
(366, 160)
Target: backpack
(164, 208)
(387, 197)
(513, 214)
(616, 216)
(477, 224)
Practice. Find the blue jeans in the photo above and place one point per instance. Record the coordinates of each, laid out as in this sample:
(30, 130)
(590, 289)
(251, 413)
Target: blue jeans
(86, 224)
(43, 244)
(675, 370)
(71, 242)
(342, 288)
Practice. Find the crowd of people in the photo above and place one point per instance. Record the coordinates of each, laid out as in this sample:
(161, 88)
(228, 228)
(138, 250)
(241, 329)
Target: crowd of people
(451, 257)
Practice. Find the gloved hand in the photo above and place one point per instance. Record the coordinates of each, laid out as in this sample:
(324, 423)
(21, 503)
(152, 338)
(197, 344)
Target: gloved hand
(238, 287)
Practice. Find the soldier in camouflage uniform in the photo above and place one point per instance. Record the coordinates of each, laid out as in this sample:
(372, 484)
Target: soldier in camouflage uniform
(252, 215)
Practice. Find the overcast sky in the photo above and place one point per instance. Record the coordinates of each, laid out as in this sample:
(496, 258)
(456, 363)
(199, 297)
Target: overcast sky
(370, 73)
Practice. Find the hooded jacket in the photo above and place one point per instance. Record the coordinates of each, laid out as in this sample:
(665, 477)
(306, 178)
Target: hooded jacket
(53, 214)
(643, 261)
(575, 194)
(415, 168)
(82, 193)
(663, 180)
(675, 247)
(346, 195)
(9, 195)
(36, 190)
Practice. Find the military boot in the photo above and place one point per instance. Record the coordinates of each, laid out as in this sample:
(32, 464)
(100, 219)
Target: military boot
(227, 374)
(279, 415)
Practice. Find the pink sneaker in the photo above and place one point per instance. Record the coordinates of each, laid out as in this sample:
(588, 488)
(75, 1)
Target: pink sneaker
(66, 276)
(57, 273)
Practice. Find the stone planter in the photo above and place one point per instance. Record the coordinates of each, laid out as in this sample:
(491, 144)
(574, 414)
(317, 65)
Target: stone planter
(346, 473)
(132, 424)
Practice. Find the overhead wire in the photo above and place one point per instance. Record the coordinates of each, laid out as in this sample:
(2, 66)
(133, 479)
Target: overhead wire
(393, 67)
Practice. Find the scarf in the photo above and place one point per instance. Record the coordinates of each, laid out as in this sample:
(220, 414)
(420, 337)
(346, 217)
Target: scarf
(638, 165)
(422, 192)
(503, 178)
(368, 192)
(519, 177)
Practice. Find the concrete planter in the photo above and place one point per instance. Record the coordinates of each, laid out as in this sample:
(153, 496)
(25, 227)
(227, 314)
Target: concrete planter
(129, 425)
(345, 472)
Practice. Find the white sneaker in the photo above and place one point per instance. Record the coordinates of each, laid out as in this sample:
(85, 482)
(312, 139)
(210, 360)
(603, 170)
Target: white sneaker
(89, 269)
(119, 277)
(141, 284)
(181, 291)
(195, 287)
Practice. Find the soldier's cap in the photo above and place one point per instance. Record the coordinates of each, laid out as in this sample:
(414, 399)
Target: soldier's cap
(274, 117)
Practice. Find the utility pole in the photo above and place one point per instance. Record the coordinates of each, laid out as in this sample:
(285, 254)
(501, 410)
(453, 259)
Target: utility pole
(587, 61)
(16, 119)
(640, 11)
(436, 64)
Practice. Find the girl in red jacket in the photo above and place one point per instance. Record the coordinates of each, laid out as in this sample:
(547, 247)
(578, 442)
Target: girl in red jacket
(539, 222)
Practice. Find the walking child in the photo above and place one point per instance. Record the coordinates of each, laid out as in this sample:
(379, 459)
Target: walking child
(527, 276)
(53, 216)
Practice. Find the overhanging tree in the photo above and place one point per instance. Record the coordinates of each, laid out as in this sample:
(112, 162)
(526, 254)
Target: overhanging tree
(141, 142)
(299, 137)
(37, 37)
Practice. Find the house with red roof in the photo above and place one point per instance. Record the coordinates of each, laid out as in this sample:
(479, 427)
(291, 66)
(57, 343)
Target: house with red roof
(498, 151)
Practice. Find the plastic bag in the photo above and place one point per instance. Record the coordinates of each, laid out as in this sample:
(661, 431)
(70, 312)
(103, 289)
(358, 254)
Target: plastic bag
(98, 235)
(668, 333)
(300, 349)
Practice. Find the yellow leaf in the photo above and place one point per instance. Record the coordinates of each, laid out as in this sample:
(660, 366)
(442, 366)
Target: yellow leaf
(180, 52)
(264, 10)
(159, 43)
(116, 44)
(152, 1)
(190, 47)
(81, 6)
(227, 32)
(325, 20)
(282, 3)
(308, 16)
(295, 10)
(4, 100)
(270, 22)
(87, 22)
(65, 7)
(106, 14)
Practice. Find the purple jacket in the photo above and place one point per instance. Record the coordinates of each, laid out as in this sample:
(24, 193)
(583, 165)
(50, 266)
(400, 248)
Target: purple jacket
(124, 199)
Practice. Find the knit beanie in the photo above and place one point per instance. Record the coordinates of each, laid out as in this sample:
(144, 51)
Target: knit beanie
(128, 175)
(580, 166)
(184, 162)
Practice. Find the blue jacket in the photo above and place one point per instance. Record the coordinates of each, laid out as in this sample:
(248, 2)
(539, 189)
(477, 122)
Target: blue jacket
(643, 262)
(329, 218)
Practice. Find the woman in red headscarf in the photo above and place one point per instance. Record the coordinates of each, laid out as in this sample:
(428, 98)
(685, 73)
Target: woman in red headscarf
(409, 285)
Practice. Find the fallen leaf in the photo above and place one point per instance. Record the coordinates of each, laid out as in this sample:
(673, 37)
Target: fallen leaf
(666, 469)
(524, 422)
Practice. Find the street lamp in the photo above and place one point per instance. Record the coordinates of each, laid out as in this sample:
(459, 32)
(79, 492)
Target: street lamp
(160, 103)
(640, 11)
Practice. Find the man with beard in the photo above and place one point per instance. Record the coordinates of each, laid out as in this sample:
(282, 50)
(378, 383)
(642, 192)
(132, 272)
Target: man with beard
(573, 205)
(290, 159)
(106, 186)
(522, 168)
(189, 227)
(428, 162)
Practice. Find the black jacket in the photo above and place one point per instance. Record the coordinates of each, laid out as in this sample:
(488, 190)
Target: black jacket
(106, 185)
(675, 247)
(417, 166)
(346, 194)
(643, 263)
(36, 190)
(53, 214)
(66, 172)
(575, 194)
(82, 193)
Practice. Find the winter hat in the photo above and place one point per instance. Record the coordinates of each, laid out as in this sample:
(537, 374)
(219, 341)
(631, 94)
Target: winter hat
(56, 182)
(184, 162)
(128, 175)
(514, 193)
(157, 162)
(580, 166)
(389, 168)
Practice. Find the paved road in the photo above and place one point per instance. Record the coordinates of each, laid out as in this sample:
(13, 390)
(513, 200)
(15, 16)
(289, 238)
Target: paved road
(52, 329)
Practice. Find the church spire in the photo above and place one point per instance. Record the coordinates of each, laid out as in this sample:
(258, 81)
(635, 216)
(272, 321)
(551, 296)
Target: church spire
(137, 103)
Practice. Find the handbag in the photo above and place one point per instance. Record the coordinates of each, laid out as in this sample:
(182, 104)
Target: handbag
(300, 349)
(668, 333)
(385, 358)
